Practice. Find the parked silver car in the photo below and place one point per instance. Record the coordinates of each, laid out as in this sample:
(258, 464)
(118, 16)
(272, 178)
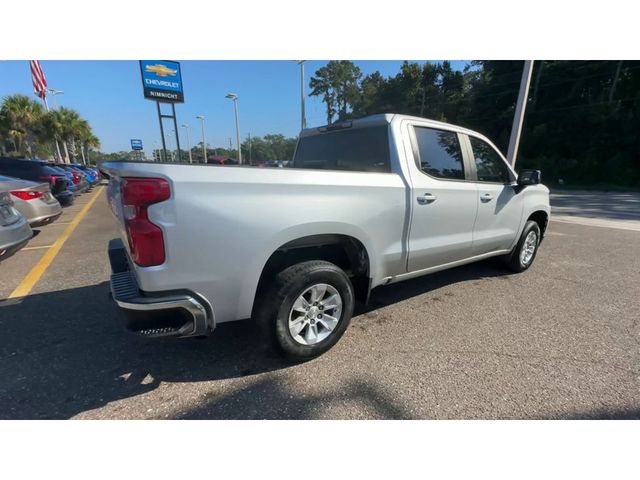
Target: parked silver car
(33, 200)
(15, 231)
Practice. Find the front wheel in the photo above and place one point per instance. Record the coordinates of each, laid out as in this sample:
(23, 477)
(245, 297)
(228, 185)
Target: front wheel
(307, 309)
(525, 251)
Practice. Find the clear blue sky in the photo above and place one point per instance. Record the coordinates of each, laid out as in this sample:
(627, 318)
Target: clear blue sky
(109, 95)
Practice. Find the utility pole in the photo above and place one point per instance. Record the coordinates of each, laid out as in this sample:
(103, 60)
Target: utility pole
(536, 86)
(303, 120)
(518, 118)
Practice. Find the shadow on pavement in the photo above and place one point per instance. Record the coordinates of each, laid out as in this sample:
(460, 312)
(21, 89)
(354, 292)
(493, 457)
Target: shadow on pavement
(397, 292)
(65, 352)
(270, 392)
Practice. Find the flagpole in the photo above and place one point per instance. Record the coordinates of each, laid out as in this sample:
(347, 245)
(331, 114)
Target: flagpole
(46, 107)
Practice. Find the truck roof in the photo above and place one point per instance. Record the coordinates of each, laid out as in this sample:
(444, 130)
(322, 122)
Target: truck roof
(381, 119)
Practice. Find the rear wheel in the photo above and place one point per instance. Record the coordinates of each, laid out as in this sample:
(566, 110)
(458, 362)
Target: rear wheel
(524, 253)
(307, 309)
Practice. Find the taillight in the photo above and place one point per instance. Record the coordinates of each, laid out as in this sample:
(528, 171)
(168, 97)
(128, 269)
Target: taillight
(145, 238)
(27, 195)
(48, 178)
(76, 178)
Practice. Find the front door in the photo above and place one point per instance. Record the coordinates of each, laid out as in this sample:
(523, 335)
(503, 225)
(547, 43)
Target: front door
(500, 206)
(444, 201)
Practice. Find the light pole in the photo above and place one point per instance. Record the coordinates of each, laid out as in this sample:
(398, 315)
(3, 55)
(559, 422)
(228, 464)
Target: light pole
(204, 142)
(234, 97)
(186, 127)
(303, 120)
(172, 151)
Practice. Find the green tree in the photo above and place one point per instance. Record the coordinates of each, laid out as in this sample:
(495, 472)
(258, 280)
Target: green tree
(269, 147)
(19, 117)
(337, 84)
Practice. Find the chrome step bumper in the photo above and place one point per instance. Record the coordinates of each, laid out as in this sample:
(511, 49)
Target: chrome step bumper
(153, 314)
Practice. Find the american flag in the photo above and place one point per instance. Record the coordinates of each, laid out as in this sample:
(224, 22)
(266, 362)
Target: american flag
(39, 82)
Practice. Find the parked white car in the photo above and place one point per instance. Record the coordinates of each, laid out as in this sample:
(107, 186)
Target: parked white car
(366, 203)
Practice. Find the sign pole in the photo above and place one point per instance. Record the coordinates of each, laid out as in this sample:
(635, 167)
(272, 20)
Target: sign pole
(175, 124)
(164, 144)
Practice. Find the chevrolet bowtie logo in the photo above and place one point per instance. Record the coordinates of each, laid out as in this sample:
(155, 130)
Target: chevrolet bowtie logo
(161, 70)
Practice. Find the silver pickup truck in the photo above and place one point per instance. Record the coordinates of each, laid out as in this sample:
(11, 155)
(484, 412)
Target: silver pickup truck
(366, 203)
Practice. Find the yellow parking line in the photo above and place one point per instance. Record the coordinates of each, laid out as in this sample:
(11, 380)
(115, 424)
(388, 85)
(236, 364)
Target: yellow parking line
(36, 272)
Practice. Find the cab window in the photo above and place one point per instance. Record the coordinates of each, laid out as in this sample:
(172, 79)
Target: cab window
(490, 167)
(440, 153)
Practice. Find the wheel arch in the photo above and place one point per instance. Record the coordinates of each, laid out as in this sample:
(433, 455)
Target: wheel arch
(346, 251)
(541, 217)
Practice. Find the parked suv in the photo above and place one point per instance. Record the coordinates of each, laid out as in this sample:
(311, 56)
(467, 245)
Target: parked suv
(38, 171)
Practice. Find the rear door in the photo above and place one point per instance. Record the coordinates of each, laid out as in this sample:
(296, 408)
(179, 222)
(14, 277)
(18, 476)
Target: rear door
(444, 200)
(500, 206)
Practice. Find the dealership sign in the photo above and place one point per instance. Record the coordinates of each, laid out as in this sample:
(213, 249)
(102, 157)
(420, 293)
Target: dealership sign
(136, 144)
(162, 81)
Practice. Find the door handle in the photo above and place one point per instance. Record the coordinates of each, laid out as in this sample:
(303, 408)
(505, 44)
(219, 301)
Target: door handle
(487, 197)
(427, 198)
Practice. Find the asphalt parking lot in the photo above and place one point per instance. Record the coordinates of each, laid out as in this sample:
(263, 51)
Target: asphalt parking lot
(561, 340)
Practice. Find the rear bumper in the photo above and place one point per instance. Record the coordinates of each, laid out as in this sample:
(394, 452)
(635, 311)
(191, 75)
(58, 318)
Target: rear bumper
(44, 220)
(157, 314)
(40, 213)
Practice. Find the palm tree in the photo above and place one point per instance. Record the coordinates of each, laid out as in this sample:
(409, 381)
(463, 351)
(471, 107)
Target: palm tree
(91, 141)
(82, 131)
(71, 126)
(49, 130)
(20, 116)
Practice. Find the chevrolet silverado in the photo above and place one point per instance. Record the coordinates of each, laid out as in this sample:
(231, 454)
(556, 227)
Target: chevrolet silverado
(366, 203)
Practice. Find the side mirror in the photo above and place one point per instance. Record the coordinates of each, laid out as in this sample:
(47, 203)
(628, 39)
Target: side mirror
(529, 177)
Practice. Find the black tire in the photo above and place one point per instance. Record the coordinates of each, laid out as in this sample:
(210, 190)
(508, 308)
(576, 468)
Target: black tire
(513, 260)
(275, 304)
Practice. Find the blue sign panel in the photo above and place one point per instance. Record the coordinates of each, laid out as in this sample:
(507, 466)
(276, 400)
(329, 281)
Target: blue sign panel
(136, 144)
(162, 80)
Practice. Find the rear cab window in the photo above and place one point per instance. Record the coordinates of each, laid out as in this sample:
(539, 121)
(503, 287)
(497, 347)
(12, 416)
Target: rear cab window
(364, 149)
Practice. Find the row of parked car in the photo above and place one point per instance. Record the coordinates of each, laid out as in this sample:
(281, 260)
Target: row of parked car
(32, 194)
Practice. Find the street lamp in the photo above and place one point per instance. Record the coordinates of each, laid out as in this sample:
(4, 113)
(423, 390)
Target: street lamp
(303, 120)
(234, 97)
(204, 143)
(172, 151)
(186, 127)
